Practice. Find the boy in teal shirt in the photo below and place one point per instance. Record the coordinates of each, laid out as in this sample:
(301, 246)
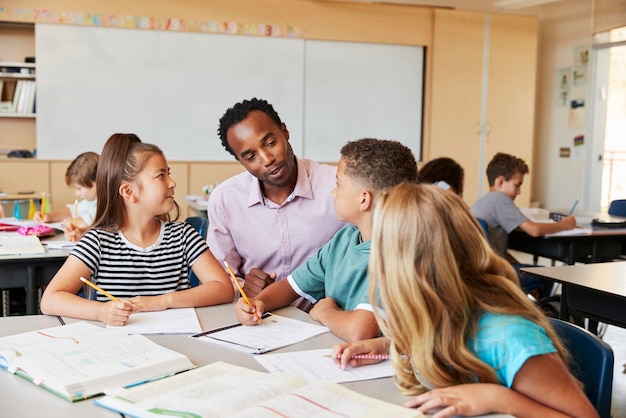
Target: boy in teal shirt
(336, 279)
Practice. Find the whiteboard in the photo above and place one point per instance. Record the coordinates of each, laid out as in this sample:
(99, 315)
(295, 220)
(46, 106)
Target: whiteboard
(356, 90)
(171, 88)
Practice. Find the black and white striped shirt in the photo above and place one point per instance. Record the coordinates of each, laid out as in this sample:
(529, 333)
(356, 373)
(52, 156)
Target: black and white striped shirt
(126, 270)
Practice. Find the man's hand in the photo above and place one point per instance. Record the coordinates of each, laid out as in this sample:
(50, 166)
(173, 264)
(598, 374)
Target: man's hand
(257, 280)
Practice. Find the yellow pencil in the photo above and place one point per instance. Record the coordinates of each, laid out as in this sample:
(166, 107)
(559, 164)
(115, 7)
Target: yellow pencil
(98, 288)
(74, 221)
(243, 294)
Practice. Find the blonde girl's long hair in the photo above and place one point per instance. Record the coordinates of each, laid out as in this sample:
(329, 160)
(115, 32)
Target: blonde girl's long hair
(435, 274)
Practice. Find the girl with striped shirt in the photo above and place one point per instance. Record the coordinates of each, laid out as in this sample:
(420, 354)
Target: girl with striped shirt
(133, 250)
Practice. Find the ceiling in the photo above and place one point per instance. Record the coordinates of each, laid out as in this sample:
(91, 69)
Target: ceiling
(504, 6)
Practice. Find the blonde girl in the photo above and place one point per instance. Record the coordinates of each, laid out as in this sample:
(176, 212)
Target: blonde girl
(461, 333)
(133, 250)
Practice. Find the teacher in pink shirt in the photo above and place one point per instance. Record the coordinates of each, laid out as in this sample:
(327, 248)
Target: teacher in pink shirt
(267, 221)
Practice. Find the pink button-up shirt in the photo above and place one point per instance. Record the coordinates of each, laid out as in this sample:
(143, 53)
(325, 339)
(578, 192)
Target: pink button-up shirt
(249, 231)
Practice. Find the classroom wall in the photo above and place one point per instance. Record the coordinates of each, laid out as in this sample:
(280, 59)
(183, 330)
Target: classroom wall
(403, 25)
(557, 181)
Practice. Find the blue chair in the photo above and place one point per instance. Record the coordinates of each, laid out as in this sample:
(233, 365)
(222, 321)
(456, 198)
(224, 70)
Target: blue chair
(485, 227)
(618, 208)
(591, 363)
(200, 223)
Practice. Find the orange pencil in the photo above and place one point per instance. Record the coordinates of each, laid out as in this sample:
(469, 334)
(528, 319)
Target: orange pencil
(243, 294)
(43, 204)
(74, 220)
(98, 288)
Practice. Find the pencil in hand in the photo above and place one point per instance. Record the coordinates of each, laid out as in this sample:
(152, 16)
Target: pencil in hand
(243, 294)
(98, 288)
(361, 356)
(74, 220)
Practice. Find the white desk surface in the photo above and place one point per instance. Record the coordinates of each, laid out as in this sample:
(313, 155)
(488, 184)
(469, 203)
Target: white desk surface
(605, 277)
(20, 398)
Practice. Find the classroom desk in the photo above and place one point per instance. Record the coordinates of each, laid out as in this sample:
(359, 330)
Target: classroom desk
(583, 244)
(31, 271)
(19, 398)
(597, 291)
(198, 207)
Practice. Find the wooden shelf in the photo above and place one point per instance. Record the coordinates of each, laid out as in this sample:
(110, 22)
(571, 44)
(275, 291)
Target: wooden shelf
(17, 115)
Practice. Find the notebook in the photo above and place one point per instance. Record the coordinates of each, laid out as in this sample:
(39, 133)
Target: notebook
(81, 360)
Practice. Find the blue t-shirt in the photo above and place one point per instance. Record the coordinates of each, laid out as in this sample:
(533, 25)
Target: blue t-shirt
(338, 270)
(505, 342)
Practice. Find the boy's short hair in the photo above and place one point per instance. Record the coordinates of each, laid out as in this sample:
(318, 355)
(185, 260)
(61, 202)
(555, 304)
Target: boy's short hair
(505, 165)
(82, 170)
(379, 164)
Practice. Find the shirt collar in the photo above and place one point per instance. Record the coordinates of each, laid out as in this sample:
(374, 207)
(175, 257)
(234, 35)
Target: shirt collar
(303, 187)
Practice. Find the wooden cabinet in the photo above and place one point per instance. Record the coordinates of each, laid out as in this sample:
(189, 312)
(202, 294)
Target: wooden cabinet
(483, 92)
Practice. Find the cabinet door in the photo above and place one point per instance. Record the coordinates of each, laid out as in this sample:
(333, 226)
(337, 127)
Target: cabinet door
(457, 82)
(512, 84)
(23, 175)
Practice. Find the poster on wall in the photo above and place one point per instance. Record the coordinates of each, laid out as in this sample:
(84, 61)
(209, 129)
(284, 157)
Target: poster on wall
(562, 90)
(579, 76)
(581, 55)
(577, 114)
(578, 147)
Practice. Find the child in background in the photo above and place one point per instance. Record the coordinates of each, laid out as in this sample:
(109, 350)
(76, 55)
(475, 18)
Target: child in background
(455, 321)
(81, 175)
(335, 279)
(497, 208)
(443, 172)
(133, 250)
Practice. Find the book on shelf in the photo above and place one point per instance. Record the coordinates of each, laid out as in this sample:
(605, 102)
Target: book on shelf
(81, 360)
(17, 95)
(224, 390)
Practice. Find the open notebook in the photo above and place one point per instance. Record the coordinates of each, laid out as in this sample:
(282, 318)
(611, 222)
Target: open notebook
(81, 360)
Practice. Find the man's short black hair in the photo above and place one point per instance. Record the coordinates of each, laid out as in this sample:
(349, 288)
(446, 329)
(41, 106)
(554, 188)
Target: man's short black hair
(239, 112)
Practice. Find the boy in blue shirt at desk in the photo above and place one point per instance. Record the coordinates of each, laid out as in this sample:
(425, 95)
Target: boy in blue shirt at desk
(336, 278)
(505, 174)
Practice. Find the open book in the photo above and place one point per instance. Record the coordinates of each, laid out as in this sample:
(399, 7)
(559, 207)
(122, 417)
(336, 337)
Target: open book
(81, 360)
(223, 390)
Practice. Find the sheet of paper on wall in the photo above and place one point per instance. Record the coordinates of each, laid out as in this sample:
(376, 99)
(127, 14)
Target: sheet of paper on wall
(318, 365)
(577, 114)
(578, 150)
(13, 243)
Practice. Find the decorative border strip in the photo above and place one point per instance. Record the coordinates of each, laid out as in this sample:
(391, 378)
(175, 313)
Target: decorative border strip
(149, 23)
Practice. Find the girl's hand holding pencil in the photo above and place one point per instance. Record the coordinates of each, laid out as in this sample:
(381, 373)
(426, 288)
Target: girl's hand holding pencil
(359, 353)
(115, 312)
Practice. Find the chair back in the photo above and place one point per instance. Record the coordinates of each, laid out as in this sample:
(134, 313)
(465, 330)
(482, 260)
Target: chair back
(618, 208)
(483, 224)
(591, 363)
(200, 223)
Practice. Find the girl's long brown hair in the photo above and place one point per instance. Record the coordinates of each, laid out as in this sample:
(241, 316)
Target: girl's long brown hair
(122, 158)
